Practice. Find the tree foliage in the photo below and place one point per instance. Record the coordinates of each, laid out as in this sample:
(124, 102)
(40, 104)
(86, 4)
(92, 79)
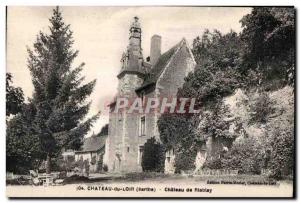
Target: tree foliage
(217, 50)
(282, 154)
(215, 77)
(261, 108)
(216, 122)
(269, 38)
(14, 97)
(23, 149)
(259, 59)
(280, 133)
(246, 156)
(177, 132)
(59, 95)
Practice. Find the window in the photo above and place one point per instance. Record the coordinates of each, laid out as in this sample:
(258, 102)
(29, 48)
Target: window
(127, 149)
(140, 154)
(142, 128)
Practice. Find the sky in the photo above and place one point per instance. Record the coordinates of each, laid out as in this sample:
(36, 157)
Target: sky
(101, 35)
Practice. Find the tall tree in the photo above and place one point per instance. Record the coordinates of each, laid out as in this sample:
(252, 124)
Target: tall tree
(269, 38)
(221, 51)
(59, 95)
(14, 97)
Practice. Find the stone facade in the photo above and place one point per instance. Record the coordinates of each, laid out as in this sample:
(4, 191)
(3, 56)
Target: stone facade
(137, 78)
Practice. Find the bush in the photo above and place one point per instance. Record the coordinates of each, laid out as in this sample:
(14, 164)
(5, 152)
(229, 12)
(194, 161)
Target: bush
(23, 152)
(185, 160)
(282, 154)
(153, 156)
(262, 108)
(245, 155)
(213, 163)
(280, 134)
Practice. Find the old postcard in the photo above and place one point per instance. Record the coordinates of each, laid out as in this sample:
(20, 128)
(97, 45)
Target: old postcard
(150, 102)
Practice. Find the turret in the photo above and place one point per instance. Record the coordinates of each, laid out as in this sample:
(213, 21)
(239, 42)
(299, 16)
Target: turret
(132, 58)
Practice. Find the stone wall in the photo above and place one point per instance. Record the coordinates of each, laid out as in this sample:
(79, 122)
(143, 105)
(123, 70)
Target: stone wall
(127, 85)
(124, 129)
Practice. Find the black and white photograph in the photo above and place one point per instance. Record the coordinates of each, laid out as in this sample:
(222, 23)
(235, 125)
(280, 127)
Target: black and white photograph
(150, 101)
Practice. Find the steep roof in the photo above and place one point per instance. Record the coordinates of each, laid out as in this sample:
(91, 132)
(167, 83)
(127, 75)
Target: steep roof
(93, 143)
(160, 65)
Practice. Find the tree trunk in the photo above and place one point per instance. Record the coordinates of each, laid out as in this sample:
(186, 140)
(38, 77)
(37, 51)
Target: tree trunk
(48, 164)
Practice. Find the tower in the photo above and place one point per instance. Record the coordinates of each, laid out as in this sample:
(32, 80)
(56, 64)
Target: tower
(132, 58)
(135, 35)
(124, 134)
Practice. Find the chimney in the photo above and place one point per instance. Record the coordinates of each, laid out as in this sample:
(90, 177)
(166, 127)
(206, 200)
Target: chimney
(155, 49)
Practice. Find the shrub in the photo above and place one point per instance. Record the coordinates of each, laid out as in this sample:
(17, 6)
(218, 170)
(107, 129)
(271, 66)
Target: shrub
(282, 154)
(245, 156)
(261, 108)
(280, 134)
(213, 163)
(185, 160)
(153, 156)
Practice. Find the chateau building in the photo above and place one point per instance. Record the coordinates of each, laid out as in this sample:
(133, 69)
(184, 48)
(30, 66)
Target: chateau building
(157, 77)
